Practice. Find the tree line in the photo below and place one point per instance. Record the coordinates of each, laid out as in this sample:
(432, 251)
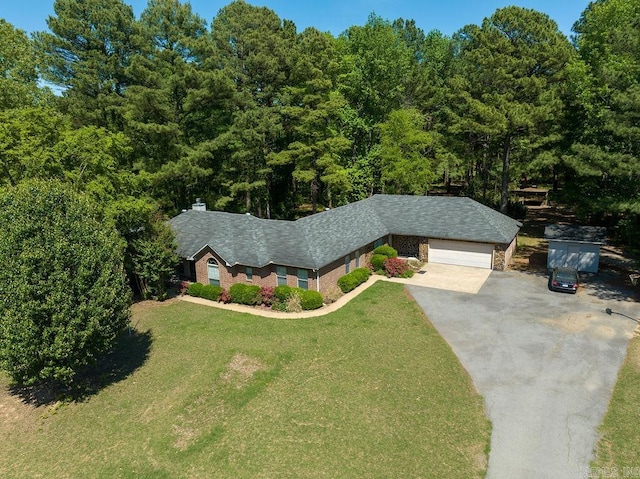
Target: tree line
(251, 115)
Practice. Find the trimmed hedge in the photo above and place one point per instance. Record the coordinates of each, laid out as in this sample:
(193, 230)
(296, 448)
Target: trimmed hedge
(362, 274)
(352, 280)
(206, 291)
(347, 283)
(283, 292)
(211, 292)
(195, 289)
(377, 261)
(310, 300)
(245, 294)
(386, 250)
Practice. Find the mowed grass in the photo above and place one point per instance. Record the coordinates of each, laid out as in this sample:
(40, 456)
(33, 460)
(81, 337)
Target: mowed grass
(619, 446)
(370, 391)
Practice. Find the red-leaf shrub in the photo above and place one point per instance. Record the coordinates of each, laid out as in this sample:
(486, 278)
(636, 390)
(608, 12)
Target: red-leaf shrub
(267, 295)
(225, 297)
(395, 267)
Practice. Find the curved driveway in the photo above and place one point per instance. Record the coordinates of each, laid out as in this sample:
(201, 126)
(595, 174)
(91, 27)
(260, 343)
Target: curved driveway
(545, 362)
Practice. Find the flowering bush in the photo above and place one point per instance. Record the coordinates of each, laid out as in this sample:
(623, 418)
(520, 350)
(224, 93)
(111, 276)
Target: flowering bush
(184, 286)
(395, 267)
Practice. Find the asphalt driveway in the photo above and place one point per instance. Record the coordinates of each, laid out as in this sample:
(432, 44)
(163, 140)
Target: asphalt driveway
(545, 363)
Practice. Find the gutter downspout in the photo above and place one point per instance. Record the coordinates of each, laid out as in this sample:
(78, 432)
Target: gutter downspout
(317, 280)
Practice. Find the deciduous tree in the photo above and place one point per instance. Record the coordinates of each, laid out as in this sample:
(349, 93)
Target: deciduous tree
(64, 293)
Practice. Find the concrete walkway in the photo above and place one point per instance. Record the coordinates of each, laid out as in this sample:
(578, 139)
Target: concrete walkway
(545, 363)
(440, 276)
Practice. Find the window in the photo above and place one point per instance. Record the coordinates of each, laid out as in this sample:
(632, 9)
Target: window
(347, 264)
(357, 255)
(303, 279)
(213, 271)
(249, 273)
(281, 275)
(377, 243)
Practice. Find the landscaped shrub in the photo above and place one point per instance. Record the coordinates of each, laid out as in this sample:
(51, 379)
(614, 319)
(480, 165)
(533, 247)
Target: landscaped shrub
(407, 274)
(377, 261)
(245, 294)
(211, 292)
(310, 300)
(332, 294)
(225, 297)
(347, 283)
(386, 250)
(395, 267)
(362, 274)
(282, 292)
(294, 301)
(183, 288)
(267, 295)
(195, 289)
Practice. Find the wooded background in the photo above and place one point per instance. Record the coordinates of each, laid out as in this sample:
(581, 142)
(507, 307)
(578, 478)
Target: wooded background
(251, 115)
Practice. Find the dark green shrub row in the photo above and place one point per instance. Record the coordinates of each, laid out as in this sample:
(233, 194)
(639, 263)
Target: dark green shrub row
(386, 250)
(352, 280)
(206, 291)
(241, 293)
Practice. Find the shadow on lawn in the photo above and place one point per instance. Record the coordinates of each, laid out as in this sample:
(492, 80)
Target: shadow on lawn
(130, 353)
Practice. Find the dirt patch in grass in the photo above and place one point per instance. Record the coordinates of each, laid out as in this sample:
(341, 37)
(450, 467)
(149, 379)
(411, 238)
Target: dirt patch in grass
(241, 369)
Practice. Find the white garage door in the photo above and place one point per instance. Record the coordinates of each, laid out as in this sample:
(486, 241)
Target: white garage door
(479, 255)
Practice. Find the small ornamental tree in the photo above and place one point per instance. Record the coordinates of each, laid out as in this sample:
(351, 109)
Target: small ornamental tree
(64, 293)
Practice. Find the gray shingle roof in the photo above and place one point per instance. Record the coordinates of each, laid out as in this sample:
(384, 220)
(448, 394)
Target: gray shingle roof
(576, 234)
(317, 240)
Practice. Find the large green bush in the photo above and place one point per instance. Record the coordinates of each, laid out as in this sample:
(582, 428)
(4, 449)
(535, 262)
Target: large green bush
(386, 250)
(241, 293)
(310, 300)
(63, 289)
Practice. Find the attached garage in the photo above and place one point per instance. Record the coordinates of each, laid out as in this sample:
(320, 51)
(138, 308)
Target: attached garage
(462, 253)
(575, 247)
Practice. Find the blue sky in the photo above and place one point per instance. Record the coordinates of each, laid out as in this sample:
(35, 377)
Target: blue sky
(337, 15)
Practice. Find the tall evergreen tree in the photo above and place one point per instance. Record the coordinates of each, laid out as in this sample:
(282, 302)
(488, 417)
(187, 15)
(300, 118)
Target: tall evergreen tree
(508, 89)
(311, 112)
(87, 54)
(254, 46)
(605, 156)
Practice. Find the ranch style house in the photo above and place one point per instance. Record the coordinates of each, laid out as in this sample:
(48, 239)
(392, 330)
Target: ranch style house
(313, 252)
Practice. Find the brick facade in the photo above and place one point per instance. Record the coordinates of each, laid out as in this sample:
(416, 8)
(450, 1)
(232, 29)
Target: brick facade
(229, 275)
(328, 274)
(267, 275)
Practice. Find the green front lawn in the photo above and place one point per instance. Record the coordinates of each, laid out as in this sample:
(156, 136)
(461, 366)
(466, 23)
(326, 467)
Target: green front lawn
(371, 390)
(619, 446)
